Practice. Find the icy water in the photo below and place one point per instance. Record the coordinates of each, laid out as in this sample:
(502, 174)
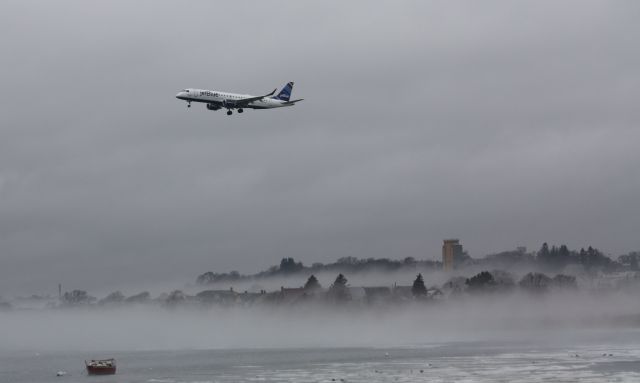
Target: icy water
(451, 362)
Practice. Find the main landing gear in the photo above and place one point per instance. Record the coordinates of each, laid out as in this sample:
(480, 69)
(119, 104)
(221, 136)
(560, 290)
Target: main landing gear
(240, 110)
(229, 112)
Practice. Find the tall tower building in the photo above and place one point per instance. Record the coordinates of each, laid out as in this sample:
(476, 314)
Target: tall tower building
(451, 252)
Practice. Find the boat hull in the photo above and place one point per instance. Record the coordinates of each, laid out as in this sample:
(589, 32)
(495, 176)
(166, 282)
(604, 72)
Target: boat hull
(101, 370)
(101, 367)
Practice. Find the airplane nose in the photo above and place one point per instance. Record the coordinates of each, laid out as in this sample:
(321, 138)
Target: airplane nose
(179, 95)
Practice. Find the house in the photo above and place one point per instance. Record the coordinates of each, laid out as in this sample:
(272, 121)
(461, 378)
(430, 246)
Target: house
(249, 299)
(357, 294)
(217, 297)
(402, 293)
(435, 293)
(377, 294)
(290, 295)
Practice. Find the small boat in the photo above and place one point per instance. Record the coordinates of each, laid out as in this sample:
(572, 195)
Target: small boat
(101, 366)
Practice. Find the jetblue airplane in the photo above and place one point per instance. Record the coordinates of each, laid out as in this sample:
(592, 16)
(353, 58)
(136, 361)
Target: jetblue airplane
(217, 100)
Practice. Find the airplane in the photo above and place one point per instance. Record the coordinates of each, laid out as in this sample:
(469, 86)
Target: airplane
(216, 100)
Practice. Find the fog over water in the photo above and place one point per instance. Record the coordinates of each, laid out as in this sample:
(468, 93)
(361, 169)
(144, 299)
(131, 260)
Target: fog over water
(569, 317)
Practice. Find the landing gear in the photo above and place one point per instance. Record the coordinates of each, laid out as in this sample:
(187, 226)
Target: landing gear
(240, 110)
(229, 112)
(189, 104)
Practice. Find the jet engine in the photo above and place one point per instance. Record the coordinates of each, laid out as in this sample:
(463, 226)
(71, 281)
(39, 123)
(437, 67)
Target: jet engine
(228, 104)
(212, 107)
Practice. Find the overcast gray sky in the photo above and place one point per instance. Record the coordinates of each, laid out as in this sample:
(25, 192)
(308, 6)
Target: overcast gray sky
(501, 123)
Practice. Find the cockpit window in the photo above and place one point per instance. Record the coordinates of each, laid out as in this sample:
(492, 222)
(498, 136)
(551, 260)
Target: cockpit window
(186, 90)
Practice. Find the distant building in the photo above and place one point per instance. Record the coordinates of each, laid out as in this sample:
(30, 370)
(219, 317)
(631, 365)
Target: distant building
(357, 294)
(377, 294)
(289, 295)
(451, 252)
(401, 293)
(220, 297)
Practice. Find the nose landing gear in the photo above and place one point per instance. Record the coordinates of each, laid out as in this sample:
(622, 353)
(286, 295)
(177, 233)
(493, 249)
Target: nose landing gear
(189, 104)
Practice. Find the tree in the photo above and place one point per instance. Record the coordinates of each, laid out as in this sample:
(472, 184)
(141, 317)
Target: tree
(593, 259)
(543, 253)
(348, 261)
(142, 297)
(114, 297)
(564, 254)
(339, 289)
(289, 265)
(206, 278)
(409, 261)
(210, 278)
(563, 281)
(535, 282)
(419, 289)
(502, 281)
(633, 263)
(175, 297)
(312, 284)
(77, 297)
(340, 281)
(480, 281)
(582, 257)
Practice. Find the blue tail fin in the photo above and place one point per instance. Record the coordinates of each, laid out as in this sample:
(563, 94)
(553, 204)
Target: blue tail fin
(285, 93)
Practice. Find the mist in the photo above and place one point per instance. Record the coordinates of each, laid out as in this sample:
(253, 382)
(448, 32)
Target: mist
(513, 317)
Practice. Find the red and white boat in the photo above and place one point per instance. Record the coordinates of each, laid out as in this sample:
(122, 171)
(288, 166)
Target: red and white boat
(101, 366)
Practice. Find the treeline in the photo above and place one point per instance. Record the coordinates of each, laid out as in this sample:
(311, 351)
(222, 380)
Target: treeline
(81, 298)
(502, 281)
(288, 267)
(340, 292)
(547, 259)
(556, 258)
(559, 257)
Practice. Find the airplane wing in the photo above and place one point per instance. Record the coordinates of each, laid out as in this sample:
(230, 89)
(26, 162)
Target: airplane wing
(246, 101)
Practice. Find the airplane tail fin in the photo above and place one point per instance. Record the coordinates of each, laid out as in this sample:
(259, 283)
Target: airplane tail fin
(285, 93)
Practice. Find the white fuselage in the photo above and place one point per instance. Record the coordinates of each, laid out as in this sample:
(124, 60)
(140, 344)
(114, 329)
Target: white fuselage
(218, 99)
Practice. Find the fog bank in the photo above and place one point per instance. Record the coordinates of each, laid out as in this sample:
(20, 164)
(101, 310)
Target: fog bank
(509, 317)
